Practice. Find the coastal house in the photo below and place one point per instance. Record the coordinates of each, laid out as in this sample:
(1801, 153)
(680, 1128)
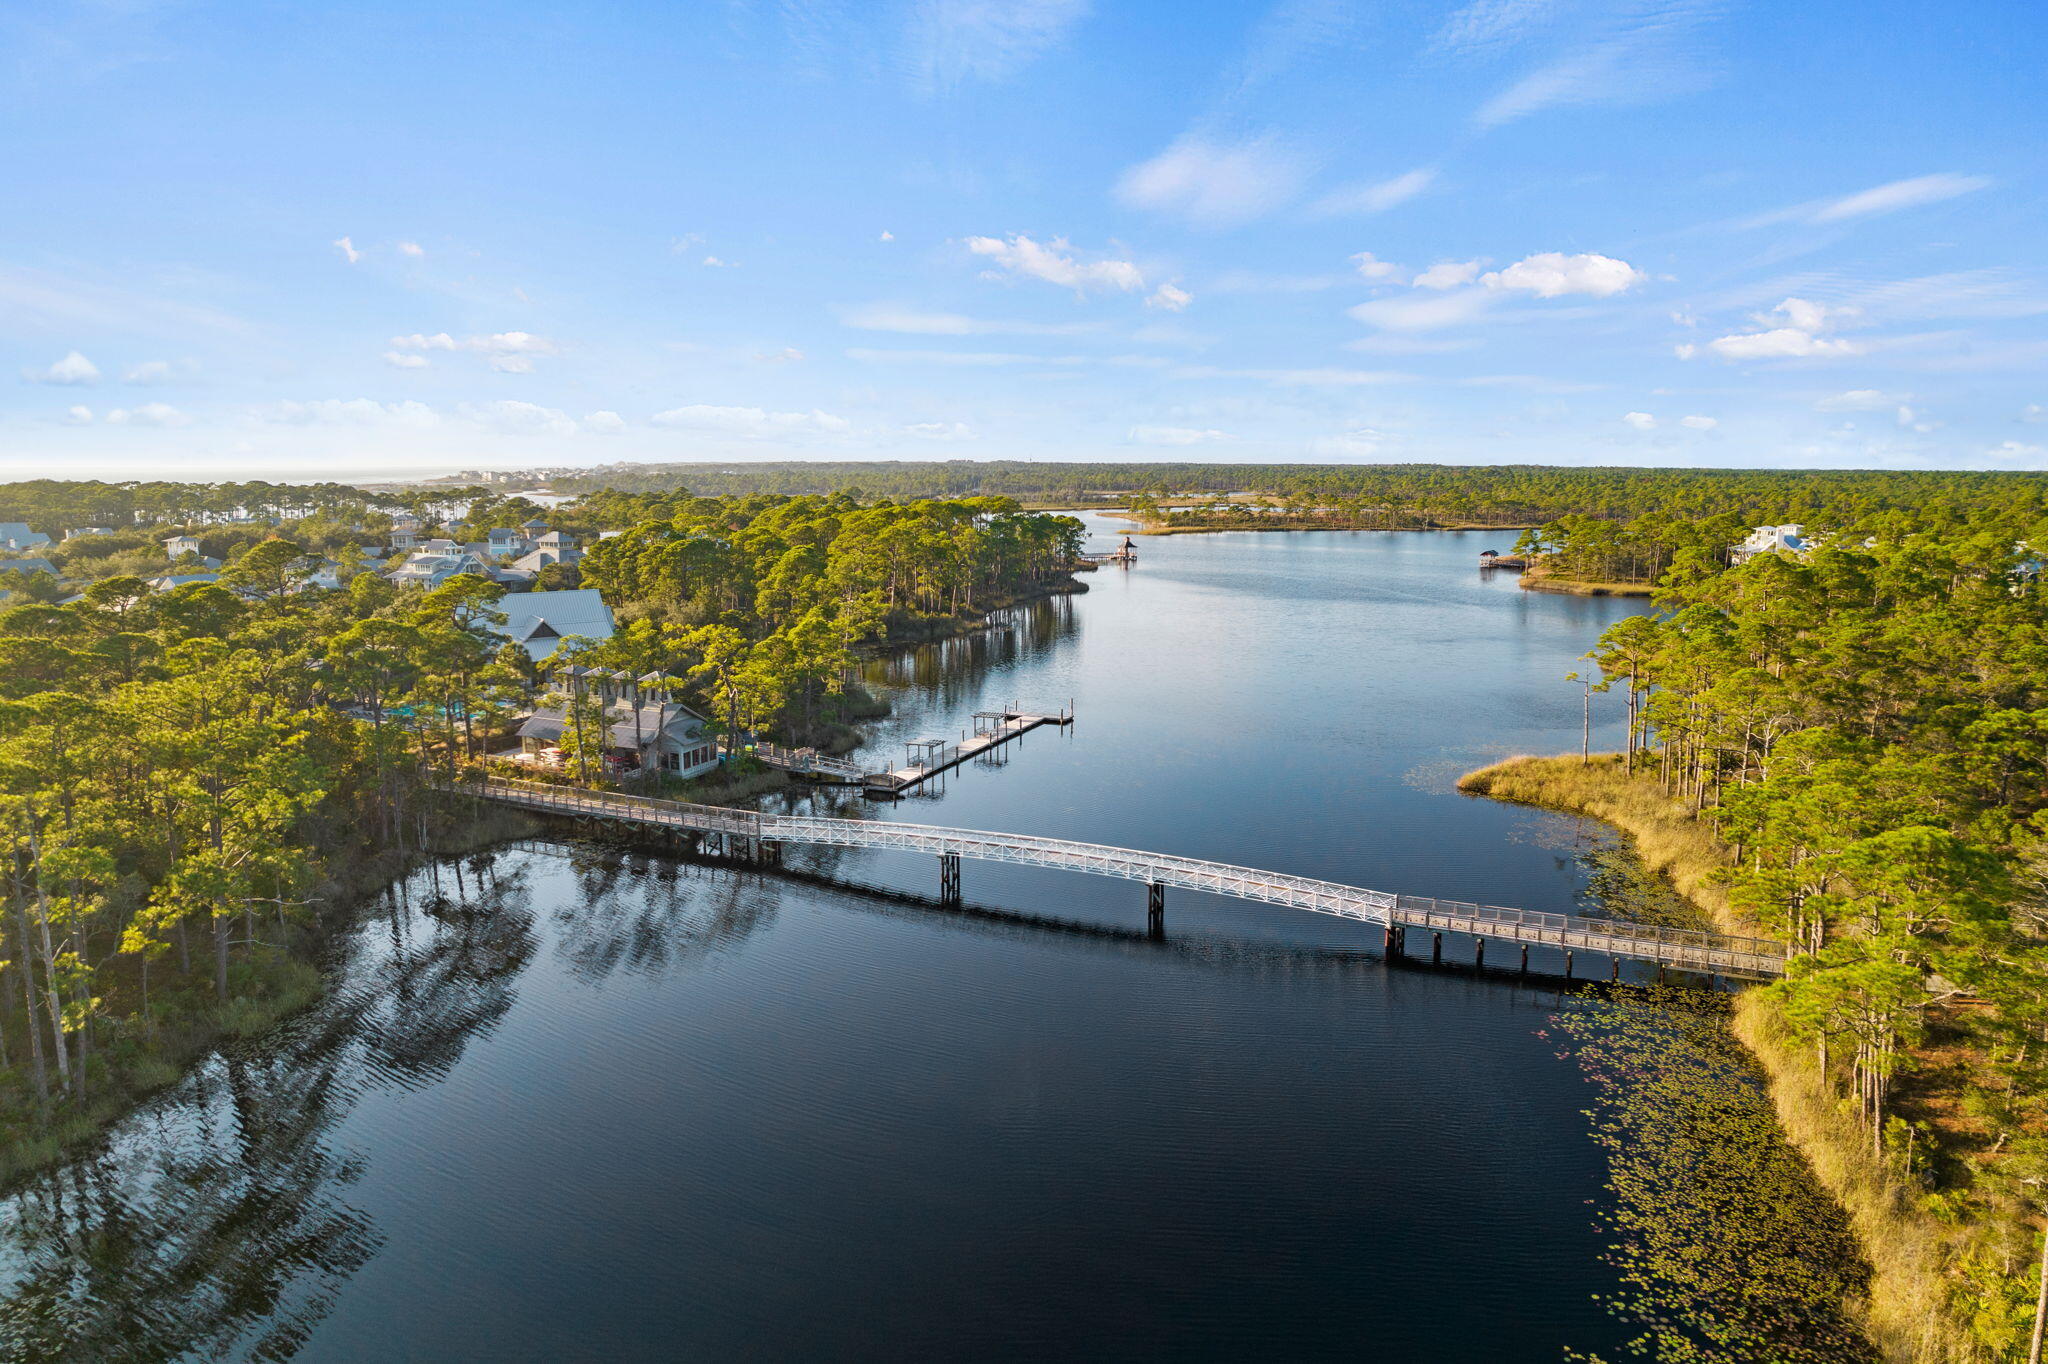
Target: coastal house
(539, 621)
(1789, 539)
(431, 569)
(178, 546)
(82, 532)
(403, 539)
(507, 542)
(170, 581)
(17, 538)
(645, 730)
(32, 564)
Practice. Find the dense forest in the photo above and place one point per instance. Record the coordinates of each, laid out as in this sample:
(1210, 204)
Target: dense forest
(1189, 494)
(194, 781)
(1866, 727)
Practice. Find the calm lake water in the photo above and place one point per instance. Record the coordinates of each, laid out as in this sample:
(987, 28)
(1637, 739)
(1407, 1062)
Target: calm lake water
(638, 1109)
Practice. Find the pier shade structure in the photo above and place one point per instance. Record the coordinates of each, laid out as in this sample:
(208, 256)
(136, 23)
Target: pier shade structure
(1680, 949)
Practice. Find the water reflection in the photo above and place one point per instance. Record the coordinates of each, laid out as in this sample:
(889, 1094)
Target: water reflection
(216, 1222)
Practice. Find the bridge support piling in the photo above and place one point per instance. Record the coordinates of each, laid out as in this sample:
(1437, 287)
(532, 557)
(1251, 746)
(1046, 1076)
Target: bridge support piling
(1479, 954)
(949, 878)
(1436, 950)
(1525, 959)
(1567, 965)
(1614, 968)
(1155, 908)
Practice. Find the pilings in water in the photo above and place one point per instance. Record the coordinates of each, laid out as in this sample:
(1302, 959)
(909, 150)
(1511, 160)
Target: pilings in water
(1155, 909)
(949, 878)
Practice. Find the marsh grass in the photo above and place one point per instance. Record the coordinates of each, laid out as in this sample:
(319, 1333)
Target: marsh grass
(1908, 1311)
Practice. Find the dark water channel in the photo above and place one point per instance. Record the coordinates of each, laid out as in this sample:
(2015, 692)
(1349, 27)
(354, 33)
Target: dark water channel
(638, 1109)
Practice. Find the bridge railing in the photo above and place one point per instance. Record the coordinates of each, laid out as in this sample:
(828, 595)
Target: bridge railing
(1690, 948)
(645, 809)
(1654, 942)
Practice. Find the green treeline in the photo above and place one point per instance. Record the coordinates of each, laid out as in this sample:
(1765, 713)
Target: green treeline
(1405, 495)
(1867, 725)
(184, 777)
(761, 600)
(191, 780)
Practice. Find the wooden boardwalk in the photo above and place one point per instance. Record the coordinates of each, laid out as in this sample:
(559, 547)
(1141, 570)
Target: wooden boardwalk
(1678, 948)
(926, 758)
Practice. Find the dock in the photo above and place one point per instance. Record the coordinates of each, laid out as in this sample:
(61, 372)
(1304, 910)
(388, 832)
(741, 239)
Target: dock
(927, 758)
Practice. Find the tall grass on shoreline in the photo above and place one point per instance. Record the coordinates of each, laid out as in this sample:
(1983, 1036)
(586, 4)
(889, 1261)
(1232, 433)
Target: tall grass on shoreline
(1907, 1313)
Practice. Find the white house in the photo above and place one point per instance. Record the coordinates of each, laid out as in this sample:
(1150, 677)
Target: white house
(32, 565)
(539, 621)
(180, 545)
(431, 570)
(17, 538)
(645, 730)
(81, 532)
(1768, 540)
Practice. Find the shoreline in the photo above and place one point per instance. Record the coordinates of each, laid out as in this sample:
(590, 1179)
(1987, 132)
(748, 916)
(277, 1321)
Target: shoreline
(1905, 1315)
(1534, 579)
(1143, 529)
(296, 978)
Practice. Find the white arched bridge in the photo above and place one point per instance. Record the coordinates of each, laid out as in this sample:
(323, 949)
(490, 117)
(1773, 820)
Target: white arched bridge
(1677, 948)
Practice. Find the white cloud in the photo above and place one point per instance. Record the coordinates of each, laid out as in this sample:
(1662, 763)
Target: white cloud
(1858, 400)
(1924, 189)
(1421, 313)
(1214, 184)
(348, 250)
(1698, 423)
(1379, 197)
(1780, 343)
(511, 352)
(413, 249)
(951, 40)
(750, 421)
(683, 243)
(79, 416)
(1175, 435)
(1641, 421)
(508, 414)
(1800, 340)
(891, 317)
(1170, 297)
(604, 423)
(1639, 52)
(2034, 412)
(148, 372)
(887, 236)
(438, 341)
(354, 412)
(939, 431)
(2013, 449)
(718, 264)
(1449, 274)
(148, 414)
(402, 360)
(1808, 316)
(73, 370)
(1373, 268)
(1487, 24)
(788, 355)
(1055, 263)
(1552, 274)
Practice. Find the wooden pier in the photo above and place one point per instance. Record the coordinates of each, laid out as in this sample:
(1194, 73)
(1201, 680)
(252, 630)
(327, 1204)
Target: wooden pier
(926, 758)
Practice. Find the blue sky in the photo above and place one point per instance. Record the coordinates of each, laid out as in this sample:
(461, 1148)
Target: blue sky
(360, 239)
